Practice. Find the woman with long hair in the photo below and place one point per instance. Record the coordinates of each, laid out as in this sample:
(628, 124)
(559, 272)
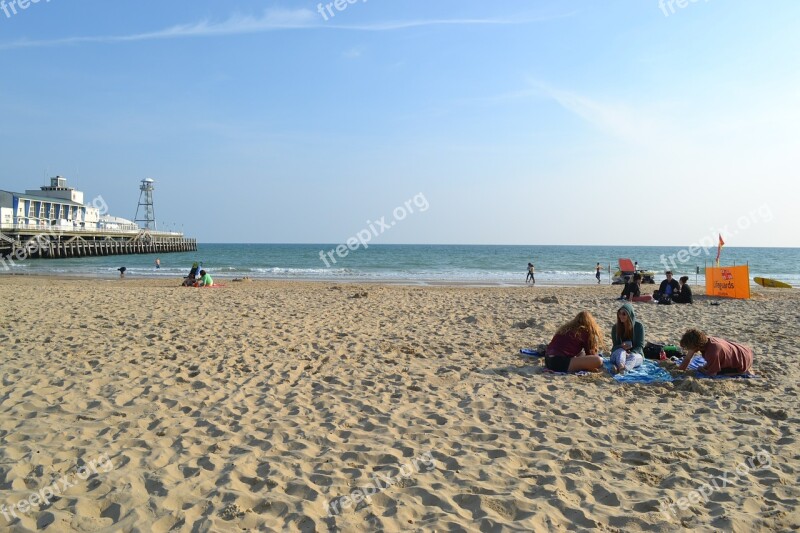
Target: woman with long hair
(581, 335)
(627, 339)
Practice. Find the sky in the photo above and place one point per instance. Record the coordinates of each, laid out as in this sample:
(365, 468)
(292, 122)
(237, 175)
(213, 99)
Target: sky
(517, 121)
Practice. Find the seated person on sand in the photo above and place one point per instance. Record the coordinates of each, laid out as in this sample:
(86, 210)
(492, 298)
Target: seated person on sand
(581, 334)
(189, 280)
(684, 295)
(668, 287)
(632, 290)
(205, 280)
(627, 338)
(722, 357)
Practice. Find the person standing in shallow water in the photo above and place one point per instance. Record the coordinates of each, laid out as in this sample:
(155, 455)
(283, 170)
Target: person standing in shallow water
(597, 273)
(158, 263)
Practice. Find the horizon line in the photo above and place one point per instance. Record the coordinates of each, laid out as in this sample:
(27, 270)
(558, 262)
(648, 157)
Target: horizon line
(516, 245)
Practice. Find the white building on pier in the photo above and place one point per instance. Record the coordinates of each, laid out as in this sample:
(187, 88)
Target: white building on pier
(55, 206)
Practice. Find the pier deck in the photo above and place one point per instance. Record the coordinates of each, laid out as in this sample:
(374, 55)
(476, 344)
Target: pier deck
(20, 242)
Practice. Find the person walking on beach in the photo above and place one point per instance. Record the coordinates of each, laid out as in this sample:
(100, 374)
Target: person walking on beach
(530, 274)
(597, 273)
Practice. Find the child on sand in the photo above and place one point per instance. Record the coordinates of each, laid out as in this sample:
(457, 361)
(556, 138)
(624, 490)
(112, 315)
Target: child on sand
(627, 338)
(581, 334)
(205, 280)
(722, 357)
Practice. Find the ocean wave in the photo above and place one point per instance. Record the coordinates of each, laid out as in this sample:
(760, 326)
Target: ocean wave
(399, 263)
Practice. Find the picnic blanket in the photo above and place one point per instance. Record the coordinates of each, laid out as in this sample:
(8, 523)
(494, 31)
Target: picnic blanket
(649, 372)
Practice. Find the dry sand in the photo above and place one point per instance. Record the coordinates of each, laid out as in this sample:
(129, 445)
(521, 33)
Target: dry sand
(250, 407)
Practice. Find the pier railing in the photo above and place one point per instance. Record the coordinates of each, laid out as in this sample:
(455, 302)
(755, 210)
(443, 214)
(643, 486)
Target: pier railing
(21, 241)
(50, 229)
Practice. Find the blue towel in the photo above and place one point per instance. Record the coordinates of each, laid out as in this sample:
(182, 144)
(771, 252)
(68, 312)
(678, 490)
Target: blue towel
(698, 362)
(530, 352)
(649, 372)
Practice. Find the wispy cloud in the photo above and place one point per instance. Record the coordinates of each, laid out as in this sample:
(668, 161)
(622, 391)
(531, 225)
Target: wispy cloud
(620, 120)
(271, 20)
(353, 53)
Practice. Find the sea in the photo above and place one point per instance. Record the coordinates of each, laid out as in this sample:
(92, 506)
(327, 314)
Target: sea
(421, 264)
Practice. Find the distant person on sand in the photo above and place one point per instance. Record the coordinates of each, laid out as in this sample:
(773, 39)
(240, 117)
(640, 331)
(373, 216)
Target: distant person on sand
(632, 290)
(627, 338)
(597, 273)
(530, 274)
(579, 335)
(158, 263)
(722, 357)
(189, 280)
(667, 288)
(205, 280)
(684, 295)
(122, 271)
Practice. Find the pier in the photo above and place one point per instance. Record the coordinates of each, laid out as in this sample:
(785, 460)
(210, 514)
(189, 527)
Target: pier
(20, 243)
(53, 222)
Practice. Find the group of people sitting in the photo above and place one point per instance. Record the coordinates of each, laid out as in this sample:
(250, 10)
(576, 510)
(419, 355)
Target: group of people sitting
(577, 344)
(670, 291)
(192, 280)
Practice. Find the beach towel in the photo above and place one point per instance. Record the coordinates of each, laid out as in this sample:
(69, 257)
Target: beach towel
(648, 372)
(698, 362)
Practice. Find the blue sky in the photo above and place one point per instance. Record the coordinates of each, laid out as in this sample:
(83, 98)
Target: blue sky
(521, 122)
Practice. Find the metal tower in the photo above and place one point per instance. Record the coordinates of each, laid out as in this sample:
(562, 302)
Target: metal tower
(146, 201)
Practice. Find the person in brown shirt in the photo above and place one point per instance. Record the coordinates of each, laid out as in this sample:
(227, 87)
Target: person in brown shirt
(722, 357)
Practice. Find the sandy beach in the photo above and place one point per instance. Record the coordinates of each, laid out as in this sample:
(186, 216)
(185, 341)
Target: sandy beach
(270, 406)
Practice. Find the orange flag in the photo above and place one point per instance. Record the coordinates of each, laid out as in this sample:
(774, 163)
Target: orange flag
(719, 247)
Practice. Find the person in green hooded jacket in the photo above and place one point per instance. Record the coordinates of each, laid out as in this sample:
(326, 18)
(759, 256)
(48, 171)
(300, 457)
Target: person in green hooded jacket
(627, 340)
